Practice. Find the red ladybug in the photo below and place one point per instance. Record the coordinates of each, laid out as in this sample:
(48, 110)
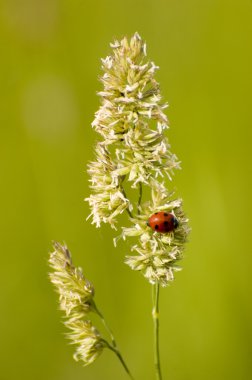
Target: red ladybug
(163, 222)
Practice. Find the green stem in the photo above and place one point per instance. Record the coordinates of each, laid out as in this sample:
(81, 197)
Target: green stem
(106, 326)
(118, 354)
(127, 209)
(140, 197)
(155, 315)
(112, 347)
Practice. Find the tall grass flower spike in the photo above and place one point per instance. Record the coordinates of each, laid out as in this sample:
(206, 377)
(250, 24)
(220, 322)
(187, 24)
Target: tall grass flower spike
(134, 151)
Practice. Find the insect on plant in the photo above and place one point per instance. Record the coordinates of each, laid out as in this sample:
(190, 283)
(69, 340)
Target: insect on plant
(133, 150)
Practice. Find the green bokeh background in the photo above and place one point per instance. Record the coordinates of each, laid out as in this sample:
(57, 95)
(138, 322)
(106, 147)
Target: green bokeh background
(50, 61)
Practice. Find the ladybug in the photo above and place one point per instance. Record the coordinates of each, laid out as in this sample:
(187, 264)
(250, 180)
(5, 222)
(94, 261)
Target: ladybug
(163, 222)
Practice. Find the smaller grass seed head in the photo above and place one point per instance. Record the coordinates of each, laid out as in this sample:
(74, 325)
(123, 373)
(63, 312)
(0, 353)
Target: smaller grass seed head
(75, 291)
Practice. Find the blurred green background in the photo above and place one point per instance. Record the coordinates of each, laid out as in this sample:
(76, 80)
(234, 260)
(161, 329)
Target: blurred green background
(50, 61)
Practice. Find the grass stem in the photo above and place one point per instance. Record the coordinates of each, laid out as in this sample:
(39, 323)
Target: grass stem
(155, 316)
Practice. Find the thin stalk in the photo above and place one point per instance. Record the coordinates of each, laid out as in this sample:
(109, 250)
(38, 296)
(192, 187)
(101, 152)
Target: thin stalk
(140, 197)
(106, 326)
(118, 354)
(155, 316)
(112, 347)
(127, 209)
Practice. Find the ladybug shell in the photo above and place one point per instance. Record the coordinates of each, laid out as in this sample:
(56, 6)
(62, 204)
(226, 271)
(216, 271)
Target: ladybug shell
(163, 222)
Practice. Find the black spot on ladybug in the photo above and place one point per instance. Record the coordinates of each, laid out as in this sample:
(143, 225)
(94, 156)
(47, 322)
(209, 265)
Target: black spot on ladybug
(165, 214)
(156, 213)
(166, 223)
(156, 227)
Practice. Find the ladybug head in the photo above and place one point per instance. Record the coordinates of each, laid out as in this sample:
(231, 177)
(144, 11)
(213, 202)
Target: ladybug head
(175, 222)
